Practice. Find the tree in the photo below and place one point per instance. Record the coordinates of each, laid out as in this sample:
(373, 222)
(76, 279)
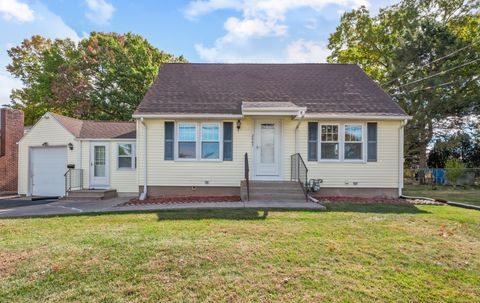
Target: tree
(405, 48)
(102, 77)
(454, 169)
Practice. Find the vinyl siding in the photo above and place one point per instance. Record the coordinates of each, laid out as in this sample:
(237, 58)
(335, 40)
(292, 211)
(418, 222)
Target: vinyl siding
(380, 174)
(45, 131)
(50, 131)
(190, 173)
(123, 180)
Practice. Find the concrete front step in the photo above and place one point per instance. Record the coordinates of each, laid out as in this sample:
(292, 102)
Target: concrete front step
(274, 191)
(91, 194)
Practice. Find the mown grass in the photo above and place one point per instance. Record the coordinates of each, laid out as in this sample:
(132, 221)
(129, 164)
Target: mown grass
(352, 253)
(470, 195)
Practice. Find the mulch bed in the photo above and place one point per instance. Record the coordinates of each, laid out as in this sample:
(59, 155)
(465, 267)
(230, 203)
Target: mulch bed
(177, 200)
(375, 200)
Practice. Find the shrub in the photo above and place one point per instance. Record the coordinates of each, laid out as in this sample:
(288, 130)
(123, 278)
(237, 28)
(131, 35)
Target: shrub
(454, 169)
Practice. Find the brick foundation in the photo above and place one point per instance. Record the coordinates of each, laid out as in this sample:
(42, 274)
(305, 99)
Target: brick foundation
(11, 131)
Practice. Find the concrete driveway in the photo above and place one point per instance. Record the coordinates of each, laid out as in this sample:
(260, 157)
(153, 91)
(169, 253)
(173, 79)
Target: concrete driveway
(24, 207)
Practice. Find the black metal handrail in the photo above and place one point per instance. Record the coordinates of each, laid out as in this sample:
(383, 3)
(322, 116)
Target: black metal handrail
(299, 172)
(247, 179)
(73, 179)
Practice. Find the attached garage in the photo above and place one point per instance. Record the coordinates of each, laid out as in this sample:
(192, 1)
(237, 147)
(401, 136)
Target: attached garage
(48, 166)
(97, 154)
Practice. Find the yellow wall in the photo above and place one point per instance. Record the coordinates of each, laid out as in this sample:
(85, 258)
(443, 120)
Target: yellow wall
(51, 132)
(380, 174)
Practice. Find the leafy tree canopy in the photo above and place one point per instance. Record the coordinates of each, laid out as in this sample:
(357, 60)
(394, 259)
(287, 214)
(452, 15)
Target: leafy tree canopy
(102, 77)
(425, 53)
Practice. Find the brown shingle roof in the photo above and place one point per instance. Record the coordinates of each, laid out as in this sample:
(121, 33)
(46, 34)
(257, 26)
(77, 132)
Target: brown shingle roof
(97, 129)
(221, 89)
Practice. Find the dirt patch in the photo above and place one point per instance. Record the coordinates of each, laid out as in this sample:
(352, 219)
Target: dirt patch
(176, 200)
(9, 261)
(376, 200)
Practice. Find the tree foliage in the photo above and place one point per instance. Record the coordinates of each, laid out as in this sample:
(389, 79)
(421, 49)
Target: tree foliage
(407, 48)
(102, 77)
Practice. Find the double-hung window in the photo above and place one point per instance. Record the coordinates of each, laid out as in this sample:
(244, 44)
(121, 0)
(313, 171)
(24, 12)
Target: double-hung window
(329, 145)
(126, 156)
(187, 141)
(353, 142)
(211, 141)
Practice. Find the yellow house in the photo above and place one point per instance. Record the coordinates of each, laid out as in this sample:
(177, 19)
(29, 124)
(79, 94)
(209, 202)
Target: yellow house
(262, 131)
(293, 122)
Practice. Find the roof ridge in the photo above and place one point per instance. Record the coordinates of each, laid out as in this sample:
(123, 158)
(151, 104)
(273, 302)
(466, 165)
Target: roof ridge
(88, 120)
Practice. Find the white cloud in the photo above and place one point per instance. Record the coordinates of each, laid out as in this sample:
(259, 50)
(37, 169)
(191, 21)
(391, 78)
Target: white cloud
(13, 9)
(45, 23)
(202, 7)
(263, 19)
(302, 51)
(254, 27)
(99, 11)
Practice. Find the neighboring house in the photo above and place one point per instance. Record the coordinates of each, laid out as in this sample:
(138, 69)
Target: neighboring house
(98, 154)
(11, 131)
(197, 122)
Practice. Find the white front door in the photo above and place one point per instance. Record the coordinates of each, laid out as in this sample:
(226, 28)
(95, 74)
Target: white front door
(267, 149)
(99, 168)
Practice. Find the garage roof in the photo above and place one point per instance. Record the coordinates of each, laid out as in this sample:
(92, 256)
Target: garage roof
(88, 129)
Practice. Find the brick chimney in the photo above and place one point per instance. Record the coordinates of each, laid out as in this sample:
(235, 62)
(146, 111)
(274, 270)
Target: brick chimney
(11, 131)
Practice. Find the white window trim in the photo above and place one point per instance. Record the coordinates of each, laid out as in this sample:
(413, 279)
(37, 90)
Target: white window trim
(320, 142)
(198, 142)
(341, 143)
(133, 156)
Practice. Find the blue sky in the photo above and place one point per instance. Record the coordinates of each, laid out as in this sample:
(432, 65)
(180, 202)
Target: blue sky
(202, 30)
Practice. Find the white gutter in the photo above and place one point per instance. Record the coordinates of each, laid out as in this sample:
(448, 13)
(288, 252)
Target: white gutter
(143, 195)
(300, 119)
(400, 156)
(358, 117)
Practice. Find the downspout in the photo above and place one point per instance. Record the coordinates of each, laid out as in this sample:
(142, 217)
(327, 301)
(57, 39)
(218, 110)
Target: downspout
(400, 156)
(302, 115)
(143, 195)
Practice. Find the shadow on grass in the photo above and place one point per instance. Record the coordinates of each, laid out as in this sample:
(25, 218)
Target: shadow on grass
(201, 214)
(375, 208)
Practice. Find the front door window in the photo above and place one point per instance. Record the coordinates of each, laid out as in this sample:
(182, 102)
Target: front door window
(99, 167)
(267, 138)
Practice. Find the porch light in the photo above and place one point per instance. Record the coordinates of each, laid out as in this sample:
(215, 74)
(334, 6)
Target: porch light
(70, 146)
(239, 123)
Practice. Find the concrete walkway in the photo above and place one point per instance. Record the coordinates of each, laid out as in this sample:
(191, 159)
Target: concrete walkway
(24, 207)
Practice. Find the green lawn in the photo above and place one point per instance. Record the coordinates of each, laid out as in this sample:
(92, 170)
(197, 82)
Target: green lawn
(351, 253)
(470, 195)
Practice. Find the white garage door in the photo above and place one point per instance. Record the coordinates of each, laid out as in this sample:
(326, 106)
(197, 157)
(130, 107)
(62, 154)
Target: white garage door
(49, 165)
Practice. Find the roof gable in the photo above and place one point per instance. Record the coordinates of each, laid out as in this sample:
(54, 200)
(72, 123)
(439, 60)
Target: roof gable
(222, 88)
